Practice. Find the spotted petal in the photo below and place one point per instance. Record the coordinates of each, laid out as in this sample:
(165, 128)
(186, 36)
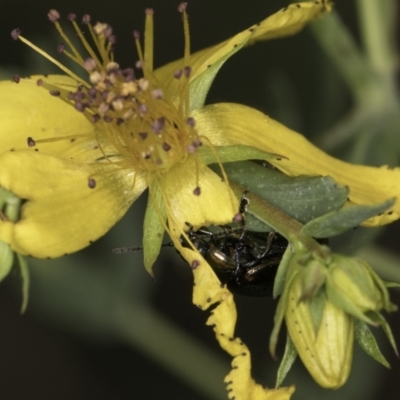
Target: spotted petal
(60, 200)
(23, 114)
(206, 63)
(232, 124)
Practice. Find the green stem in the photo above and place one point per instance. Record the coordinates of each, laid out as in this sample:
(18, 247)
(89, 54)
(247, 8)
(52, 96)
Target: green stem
(377, 23)
(287, 226)
(338, 43)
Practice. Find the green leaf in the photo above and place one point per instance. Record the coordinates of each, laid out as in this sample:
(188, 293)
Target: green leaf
(316, 305)
(391, 284)
(339, 221)
(288, 359)
(303, 198)
(367, 341)
(24, 270)
(6, 259)
(153, 229)
(280, 277)
(386, 328)
(279, 316)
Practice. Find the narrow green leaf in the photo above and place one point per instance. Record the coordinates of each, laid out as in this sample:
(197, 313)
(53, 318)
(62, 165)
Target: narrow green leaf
(280, 277)
(316, 307)
(288, 359)
(391, 284)
(367, 342)
(153, 229)
(6, 259)
(339, 221)
(279, 316)
(24, 270)
(386, 328)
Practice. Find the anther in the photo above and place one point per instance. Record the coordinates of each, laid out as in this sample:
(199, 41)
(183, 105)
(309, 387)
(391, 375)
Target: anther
(149, 11)
(194, 264)
(71, 17)
(86, 19)
(197, 191)
(178, 74)
(158, 125)
(15, 33)
(157, 94)
(197, 143)
(60, 48)
(182, 7)
(55, 93)
(142, 108)
(136, 35)
(16, 78)
(89, 64)
(31, 142)
(95, 118)
(80, 106)
(187, 71)
(166, 146)
(39, 82)
(191, 122)
(53, 15)
(91, 183)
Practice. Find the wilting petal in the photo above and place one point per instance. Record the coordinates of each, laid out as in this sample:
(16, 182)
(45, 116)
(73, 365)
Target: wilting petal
(230, 124)
(63, 213)
(206, 63)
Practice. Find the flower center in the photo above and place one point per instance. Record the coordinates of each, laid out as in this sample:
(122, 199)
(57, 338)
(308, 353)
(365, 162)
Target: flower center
(133, 116)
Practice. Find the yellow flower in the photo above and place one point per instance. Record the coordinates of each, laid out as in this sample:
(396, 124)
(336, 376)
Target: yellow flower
(83, 154)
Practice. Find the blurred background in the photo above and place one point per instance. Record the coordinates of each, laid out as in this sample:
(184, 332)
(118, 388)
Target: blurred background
(97, 325)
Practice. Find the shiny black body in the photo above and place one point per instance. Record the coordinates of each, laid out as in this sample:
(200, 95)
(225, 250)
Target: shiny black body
(246, 261)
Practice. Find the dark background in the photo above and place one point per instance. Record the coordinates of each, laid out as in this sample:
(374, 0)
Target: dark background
(66, 345)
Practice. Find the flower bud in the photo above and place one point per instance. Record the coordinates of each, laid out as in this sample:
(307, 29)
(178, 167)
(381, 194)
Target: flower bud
(323, 335)
(353, 286)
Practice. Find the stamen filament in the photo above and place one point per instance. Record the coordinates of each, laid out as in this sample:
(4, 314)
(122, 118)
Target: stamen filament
(53, 60)
(186, 32)
(99, 41)
(56, 139)
(77, 57)
(86, 44)
(148, 40)
(139, 49)
(71, 56)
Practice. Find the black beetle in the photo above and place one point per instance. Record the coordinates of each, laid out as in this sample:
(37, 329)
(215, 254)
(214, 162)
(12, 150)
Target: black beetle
(246, 261)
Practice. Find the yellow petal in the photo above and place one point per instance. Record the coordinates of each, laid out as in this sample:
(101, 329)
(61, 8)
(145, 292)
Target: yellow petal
(285, 22)
(62, 214)
(215, 205)
(207, 291)
(231, 124)
(27, 110)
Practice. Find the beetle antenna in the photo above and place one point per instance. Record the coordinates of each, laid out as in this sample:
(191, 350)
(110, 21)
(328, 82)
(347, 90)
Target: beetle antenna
(122, 250)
